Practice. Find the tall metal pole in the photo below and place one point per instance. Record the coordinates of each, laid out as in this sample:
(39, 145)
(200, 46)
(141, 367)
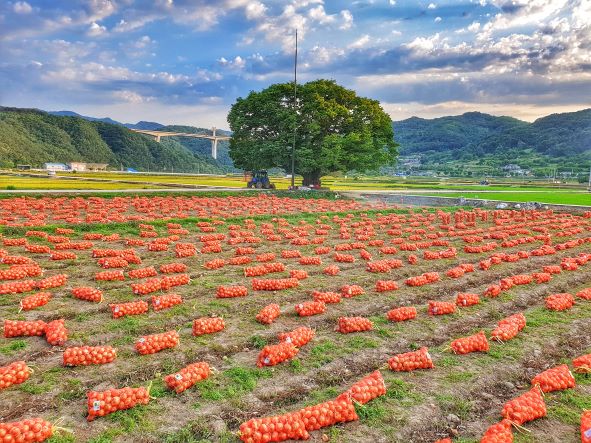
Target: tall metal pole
(295, 109)
(589, 179)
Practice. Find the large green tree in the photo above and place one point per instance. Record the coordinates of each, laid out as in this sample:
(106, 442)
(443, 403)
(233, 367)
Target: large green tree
(335, 130)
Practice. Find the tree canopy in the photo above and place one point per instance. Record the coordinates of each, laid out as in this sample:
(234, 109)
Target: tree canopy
(335, 130)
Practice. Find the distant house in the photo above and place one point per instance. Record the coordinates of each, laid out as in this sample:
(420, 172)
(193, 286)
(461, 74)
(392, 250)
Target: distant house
(512, 168)
(23, 167)
(410, 161)
(82, 166)
(96, 166)
(55, 167)
(515, 170)
(77, 166)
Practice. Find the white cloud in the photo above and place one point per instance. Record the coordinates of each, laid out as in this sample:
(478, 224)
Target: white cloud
(165, 3)
(361, 42)
(200, 15)
(206, 76)
(201, 18)
(474, 27)
(526, 12)
(101, 8)
(437, 19)
(237, 63)
(51, 18)
(431, 6)
(96, 30)
(392, 2)
(93, 72)
(321, 55)
(22, 8)
(305, 3)
(143, 42)
(255, 10)
(423, 45)
(347, 18)
(131, 97)
(138, 48)
(131, 25)
(319, 15)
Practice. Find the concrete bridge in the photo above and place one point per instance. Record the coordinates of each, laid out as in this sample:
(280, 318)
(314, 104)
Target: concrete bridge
(214, 138)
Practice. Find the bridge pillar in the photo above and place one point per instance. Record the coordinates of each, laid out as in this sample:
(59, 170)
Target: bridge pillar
(214, 144)
(214, 148)
(158, 138)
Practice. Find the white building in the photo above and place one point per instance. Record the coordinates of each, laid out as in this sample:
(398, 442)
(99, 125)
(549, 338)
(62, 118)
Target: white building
(55, 167)
(77, 166)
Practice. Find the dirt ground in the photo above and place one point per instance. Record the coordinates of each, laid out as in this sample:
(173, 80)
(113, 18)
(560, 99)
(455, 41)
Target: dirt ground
(459, 398)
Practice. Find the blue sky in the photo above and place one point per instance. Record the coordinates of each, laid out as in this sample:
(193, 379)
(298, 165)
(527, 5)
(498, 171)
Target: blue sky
(186, 61)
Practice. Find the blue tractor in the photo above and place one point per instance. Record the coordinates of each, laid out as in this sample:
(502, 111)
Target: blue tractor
(259, 180)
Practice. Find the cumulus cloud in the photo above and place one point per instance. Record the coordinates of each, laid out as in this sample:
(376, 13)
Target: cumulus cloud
(254, 10)
(96, 30)
(347, 20)
(300, 15)
(518, 13)
(53, 17)
(319, 15)
(236, 63)
(22, 8)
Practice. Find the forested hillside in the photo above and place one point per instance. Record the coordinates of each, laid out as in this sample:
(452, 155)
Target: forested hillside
(485, 142)
(472, 143)
(35, 137)
(417, 135)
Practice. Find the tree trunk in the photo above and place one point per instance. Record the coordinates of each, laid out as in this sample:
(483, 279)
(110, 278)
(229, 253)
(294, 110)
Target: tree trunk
(311, 178)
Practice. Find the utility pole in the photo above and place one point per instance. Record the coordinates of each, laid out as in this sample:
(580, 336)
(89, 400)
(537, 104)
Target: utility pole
(589, 186)
(295, 109)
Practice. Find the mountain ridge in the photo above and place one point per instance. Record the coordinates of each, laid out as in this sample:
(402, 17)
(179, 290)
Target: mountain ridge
(487, 142)
(142, 124)
(470, 143)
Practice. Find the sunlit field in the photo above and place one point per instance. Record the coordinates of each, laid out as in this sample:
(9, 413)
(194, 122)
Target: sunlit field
(507, 189)
(45, 183)
(549, 196)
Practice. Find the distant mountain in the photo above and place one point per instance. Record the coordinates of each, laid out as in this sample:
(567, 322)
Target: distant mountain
(30, 136)
(471, 143)
(85, 117)
(149, 126)
(449, 133)
(485, 141)
(556, 135)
